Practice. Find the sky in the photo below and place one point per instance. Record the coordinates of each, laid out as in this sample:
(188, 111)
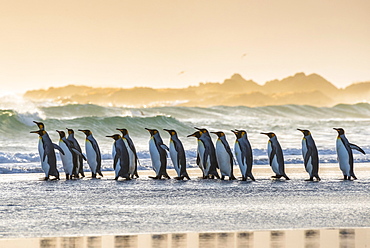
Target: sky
(176, 43)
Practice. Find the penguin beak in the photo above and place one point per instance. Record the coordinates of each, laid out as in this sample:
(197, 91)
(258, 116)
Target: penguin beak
(151, 131)
(35, 131)
(111, 136)
(191, 135)
(300, 130)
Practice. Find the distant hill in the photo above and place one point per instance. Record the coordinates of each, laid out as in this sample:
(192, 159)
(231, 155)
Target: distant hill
(299, 89)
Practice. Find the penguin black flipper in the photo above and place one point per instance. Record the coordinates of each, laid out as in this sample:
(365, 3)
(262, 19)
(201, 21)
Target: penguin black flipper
(98, 156)
(77, 152)
(164, 147)
(228, 150)
(181, 159)
(58, 148)
(307, 156)
(356, 147)
(115, 160)
(272, 154)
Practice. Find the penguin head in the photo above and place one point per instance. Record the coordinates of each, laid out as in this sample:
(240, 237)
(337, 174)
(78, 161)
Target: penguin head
(62, 134)
(270, 134)
(39, 132)
(123, 131)
(304, 131)
(170, 131)
(86, 132)
(237, 133)
(40, 125)
(202, 130)
(219, 134)
(152, 131)
(242, 132)
(70, 131)
(197, 134)
(339, 130)
(114, 136)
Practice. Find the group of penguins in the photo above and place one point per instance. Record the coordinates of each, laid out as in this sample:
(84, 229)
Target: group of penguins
(210, 157)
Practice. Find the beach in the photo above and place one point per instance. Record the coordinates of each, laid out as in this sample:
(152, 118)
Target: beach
(107, 209)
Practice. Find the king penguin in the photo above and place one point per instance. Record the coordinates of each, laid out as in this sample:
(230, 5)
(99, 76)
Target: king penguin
(243, 154)
(345, 155)
(158, 154)
(310, 155)
(92, 153)
(209, 159)
(120, 157)
(47, 155)
(131, 152)
(69, 152)
(177, 154)
(78, 168)
(200, 151)
(276, 158)
(224, 155)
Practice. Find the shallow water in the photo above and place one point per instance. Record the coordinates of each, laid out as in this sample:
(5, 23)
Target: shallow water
(354, 238)
(33, 208)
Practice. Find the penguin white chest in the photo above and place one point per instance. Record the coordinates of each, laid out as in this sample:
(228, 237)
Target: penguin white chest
(44, 163)
(201, 150)
(154, 155)
(174, 157)
(91, 156)
(239, 158)
(343, 157)
(308, 164)
(223, 159)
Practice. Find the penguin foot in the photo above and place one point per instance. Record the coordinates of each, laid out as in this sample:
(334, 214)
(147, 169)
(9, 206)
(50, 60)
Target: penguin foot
(116, 178)
(353, 176)
(232, 178)
(286, 177)
(222, 177)
(309, 180)
(156, 177)
(93, 175)
(318, 178)
(179, 178)
(67, 177)
(276, 176)
(345, 178)
(45, 179)
(252, 178)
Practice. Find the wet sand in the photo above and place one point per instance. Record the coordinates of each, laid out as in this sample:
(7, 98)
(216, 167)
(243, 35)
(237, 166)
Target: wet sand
(198, 213)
